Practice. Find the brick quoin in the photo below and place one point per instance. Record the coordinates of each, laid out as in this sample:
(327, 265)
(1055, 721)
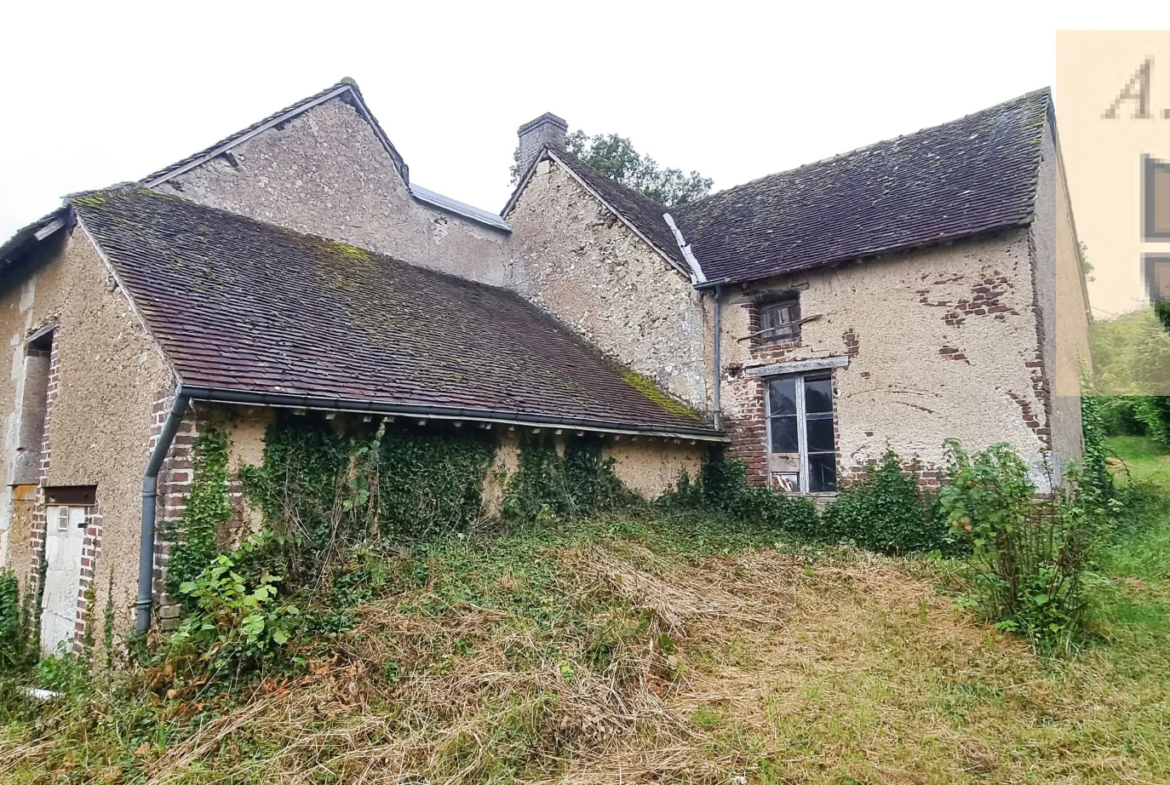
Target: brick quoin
(174, 484)
(40, 509)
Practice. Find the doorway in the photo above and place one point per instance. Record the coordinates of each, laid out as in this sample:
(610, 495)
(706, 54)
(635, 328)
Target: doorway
(64, 541)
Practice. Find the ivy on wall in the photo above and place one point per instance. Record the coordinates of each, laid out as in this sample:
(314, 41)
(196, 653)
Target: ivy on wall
(324, 486)
(322, 490)
(577, 482)
(196, 536)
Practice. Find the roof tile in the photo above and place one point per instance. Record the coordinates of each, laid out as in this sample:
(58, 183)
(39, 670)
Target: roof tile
(247, 306)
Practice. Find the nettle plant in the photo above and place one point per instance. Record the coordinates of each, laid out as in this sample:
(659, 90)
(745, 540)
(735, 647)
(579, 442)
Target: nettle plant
(236, 622)
(1031, 554)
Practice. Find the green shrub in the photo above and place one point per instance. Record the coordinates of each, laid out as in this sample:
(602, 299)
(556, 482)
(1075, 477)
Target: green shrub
(1119, 415)
(1031, 555)
(67, 673)
(722, 486)
(16, 646)
(793, 514)
(885, 511)
(237, 622)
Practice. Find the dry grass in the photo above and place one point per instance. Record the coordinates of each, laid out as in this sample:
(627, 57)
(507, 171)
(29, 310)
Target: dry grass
(608, 662)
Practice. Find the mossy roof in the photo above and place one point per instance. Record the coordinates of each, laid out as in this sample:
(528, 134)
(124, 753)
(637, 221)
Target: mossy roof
(972, 176)
(245, 306)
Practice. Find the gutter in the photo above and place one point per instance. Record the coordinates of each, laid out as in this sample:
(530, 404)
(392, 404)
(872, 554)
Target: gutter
(184, 395)
(278, 400)
(150, 510)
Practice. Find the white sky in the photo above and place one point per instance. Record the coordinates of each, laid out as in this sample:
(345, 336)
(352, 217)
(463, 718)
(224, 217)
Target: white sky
(102, 92)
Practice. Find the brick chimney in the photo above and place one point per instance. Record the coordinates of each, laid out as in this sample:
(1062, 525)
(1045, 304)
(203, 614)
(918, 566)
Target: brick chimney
(546, 130)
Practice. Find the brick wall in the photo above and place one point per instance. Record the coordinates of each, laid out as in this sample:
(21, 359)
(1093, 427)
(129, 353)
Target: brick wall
(89, 554)
(174, 483)
(40, 511)
(932, 344)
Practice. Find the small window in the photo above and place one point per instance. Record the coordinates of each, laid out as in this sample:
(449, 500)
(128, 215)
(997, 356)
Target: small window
(802, 445)
(62, 519)
(780, 321)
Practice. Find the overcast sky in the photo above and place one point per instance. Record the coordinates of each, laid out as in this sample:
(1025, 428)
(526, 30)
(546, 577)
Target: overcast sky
(104, 92)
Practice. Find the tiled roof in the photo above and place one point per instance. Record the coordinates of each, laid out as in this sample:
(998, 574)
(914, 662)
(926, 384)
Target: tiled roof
(20, 246)
(239, 305)
(643, 213)
(435, 199)
(970, 176)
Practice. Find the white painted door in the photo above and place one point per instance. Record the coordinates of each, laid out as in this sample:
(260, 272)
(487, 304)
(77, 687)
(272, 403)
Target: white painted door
(64, 536)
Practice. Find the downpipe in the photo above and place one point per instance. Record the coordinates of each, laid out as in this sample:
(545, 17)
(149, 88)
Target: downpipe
(718, 360)
(150, 510)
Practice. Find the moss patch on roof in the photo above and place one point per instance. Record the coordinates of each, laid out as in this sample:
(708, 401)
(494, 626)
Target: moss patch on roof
(647, 387)
(242, 305)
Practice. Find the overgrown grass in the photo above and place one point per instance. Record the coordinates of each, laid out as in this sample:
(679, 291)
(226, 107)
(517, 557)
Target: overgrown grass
(642, 646)
(1143, 459)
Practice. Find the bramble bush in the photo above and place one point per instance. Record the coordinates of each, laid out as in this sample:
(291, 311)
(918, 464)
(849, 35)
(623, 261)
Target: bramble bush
(1032, 555)
(883, 512)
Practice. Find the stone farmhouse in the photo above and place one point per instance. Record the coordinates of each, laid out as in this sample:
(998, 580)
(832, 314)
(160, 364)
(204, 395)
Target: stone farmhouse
(895, 295)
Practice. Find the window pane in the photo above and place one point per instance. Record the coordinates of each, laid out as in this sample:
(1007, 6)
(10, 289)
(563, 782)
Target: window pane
(782, 394)
(784, 434)
(780, 321)
(818, 395)
(822, 473)
(820, 434)
(788, 482)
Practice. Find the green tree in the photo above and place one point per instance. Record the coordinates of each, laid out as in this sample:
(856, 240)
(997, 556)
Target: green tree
(615, 157)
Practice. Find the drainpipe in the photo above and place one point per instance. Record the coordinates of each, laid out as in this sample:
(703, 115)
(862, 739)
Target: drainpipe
(149, 500)
(718, 360)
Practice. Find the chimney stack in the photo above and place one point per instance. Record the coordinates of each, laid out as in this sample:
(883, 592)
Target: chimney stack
(548, 130)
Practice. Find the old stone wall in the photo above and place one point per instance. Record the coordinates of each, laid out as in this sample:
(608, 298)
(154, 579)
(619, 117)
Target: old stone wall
(106, 375)
(578, 261)
(1062, 300)
(938, 343)
(648, 466)
(326, 173)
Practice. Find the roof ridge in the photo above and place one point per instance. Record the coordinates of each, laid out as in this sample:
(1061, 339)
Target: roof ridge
(635, 193)
(292, 110)
(1022, 98)
(137, 189)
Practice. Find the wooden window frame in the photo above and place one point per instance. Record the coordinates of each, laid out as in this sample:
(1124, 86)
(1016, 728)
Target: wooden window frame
(802, 428)
(767, 335)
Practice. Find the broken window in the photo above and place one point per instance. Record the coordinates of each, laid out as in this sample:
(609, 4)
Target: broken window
(802, 447)
(780, 321)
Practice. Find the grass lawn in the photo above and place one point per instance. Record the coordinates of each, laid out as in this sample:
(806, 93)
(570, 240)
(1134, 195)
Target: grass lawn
(650, 648)
(1142, 458)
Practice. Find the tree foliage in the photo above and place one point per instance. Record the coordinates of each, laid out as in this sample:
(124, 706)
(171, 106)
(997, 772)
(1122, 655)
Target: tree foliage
(1131, 358)
(615, 157)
